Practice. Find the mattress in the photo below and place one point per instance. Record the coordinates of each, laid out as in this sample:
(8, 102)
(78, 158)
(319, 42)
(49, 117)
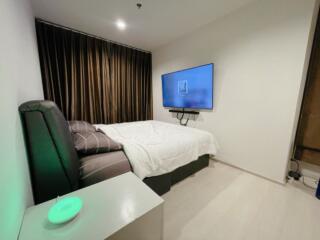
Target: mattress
(154, 148)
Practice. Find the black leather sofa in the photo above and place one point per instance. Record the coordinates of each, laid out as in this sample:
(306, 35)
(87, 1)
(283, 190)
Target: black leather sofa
(55, 167)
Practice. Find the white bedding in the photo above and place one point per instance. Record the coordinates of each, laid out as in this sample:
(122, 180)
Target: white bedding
(154, 148)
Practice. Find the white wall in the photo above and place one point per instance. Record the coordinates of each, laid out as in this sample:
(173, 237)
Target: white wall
(259, 52)
(20, 81)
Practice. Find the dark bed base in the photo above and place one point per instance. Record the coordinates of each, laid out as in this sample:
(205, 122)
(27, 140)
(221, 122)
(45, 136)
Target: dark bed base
(162, 183)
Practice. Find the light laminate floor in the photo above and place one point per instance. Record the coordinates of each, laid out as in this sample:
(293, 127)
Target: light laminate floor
(222, 202)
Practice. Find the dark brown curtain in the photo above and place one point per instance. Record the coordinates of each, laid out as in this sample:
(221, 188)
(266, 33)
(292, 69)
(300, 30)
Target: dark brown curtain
(307, 143)
(94, 80)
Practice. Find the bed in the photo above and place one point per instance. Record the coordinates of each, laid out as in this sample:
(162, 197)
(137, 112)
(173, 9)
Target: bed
(160, 153)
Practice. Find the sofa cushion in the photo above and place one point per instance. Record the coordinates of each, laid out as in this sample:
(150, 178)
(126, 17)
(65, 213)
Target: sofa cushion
(94, 142)
(80, 127)
(99, 167)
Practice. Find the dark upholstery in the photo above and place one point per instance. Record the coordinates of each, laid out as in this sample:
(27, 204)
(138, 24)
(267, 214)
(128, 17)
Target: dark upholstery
(96, 168)
(80, 127)
(94, 142)
(53, 161)
(162, 183)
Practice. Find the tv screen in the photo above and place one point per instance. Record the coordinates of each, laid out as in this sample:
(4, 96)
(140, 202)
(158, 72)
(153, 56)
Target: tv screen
(189, 88)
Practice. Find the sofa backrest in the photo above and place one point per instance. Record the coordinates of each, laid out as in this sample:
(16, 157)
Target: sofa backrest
(53, 161)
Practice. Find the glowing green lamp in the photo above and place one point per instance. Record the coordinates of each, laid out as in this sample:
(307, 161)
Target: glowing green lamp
(64, 210)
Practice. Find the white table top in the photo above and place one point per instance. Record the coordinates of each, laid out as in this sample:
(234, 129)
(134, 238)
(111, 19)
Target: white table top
(107, 207)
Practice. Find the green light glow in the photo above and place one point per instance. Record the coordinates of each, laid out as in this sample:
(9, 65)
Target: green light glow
(64, 210)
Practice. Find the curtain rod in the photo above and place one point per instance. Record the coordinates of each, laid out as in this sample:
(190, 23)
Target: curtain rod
(89, 35)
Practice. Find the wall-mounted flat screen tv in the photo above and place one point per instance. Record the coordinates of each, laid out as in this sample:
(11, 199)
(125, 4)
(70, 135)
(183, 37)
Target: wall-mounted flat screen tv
(189, 88)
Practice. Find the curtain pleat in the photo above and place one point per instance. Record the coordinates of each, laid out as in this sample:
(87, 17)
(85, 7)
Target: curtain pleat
(94, 80)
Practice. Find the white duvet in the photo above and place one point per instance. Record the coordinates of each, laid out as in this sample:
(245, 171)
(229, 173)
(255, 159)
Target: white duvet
(154, 148)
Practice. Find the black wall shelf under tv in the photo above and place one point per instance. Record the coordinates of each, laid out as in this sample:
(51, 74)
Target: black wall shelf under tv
(184, 111)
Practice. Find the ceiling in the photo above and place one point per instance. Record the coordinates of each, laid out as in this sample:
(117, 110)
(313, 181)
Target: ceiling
(155, 24)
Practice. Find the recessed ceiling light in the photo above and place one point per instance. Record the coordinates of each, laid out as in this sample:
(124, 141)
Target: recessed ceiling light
(121, 24)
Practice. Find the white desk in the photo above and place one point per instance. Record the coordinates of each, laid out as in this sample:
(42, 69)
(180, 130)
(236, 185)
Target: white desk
(119, 208)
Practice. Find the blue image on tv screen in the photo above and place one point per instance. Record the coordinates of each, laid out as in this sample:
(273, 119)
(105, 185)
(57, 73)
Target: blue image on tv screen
(189, 88)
